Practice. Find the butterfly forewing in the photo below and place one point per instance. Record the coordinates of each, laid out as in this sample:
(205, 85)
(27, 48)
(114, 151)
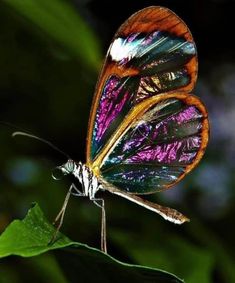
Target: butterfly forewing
(162, 142)
(153, 52)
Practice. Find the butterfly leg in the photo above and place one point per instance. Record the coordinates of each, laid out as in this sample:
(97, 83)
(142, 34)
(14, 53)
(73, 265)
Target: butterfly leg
(100, 203)
(60, 216)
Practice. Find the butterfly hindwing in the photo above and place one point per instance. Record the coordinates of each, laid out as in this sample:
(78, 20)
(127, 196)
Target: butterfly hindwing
(162, 140)
(153, 52)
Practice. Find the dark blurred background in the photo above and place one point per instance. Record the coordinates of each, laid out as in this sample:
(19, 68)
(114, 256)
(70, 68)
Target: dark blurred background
(50, 55)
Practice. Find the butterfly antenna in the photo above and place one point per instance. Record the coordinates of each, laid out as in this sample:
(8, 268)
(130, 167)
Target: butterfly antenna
(19, 133)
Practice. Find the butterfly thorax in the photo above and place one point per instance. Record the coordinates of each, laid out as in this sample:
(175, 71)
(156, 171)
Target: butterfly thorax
(89, 182)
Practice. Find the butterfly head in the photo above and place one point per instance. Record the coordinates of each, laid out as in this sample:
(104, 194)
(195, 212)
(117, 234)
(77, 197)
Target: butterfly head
(65, 169)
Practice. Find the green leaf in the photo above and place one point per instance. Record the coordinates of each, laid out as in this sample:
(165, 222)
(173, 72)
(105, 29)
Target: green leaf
(62, 22)
(30, 237)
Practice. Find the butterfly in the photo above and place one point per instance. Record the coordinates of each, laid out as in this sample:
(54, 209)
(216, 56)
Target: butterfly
(146, 131)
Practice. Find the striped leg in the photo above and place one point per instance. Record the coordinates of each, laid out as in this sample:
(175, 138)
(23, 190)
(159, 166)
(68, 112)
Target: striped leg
(100, 203)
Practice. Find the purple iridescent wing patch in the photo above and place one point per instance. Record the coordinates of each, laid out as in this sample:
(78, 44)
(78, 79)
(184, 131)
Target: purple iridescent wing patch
(114, 104)
(139, 65)
(156, 149)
